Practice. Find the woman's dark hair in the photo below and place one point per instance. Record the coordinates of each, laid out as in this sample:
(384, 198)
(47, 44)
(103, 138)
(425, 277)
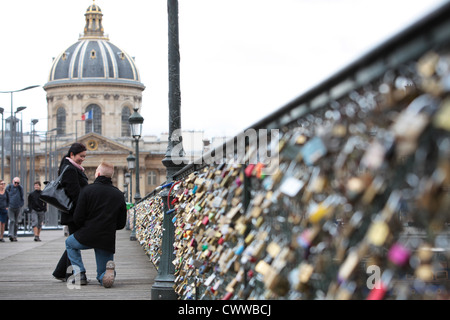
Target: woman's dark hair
(75, 148)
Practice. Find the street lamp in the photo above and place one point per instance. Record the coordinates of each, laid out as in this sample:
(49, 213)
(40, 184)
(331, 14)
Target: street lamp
(32, 150)
(11, 170)
(136, 121)
(14, 138)
(127, 182)
(46, 153)
(125, 192)
(131, 161)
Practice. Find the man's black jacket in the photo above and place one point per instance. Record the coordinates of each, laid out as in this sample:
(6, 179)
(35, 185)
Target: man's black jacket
(35, 203)
(100, 211)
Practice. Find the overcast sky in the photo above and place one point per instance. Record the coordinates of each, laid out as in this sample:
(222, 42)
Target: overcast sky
(240, 59)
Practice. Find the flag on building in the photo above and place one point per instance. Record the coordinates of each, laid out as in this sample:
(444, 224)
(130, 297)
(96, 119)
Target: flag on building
(87, 115)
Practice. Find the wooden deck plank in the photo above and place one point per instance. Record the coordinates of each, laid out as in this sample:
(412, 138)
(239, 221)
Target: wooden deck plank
(26, 270)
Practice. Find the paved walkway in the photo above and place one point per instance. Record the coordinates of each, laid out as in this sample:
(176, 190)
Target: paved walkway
(26, 270)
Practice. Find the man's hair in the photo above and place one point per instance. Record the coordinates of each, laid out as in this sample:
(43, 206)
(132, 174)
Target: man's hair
(106, 169)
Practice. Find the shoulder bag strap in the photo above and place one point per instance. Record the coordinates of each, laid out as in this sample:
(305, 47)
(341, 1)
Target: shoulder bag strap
(62, 172)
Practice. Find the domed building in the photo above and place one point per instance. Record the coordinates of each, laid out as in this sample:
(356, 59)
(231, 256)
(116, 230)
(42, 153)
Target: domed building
(96, 78)
(93, 87)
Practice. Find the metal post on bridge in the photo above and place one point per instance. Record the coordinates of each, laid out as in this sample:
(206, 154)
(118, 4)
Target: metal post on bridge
(173, 161)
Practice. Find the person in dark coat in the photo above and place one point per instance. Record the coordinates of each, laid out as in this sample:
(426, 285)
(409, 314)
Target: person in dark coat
(37, 208)
(73, 181)
(100, 211)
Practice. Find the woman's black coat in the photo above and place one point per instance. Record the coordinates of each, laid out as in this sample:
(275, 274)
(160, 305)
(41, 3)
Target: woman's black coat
(72, 181)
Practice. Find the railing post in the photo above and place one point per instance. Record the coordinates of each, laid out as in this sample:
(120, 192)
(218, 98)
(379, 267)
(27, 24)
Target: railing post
(173, 161)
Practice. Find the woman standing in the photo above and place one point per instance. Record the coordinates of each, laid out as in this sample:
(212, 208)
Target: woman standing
(4, 204)
(73, 180)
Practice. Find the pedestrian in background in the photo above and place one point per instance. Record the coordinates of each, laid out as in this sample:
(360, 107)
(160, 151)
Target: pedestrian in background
(73, 180)
(101, 210)
(37, 208)
(4, 204)
(16, 201)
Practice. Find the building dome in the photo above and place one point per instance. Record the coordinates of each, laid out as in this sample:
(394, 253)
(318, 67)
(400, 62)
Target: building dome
(93, 58)
(93, 8)
(96, 78)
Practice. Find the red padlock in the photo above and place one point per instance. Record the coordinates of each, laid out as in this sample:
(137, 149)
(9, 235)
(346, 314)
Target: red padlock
(378, 292)
(249, 170)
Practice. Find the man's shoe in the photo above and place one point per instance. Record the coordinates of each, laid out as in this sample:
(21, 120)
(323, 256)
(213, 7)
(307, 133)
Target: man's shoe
(108, 278)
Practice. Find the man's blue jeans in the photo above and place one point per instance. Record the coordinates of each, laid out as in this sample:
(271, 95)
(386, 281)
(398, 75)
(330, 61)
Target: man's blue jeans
(74, 253)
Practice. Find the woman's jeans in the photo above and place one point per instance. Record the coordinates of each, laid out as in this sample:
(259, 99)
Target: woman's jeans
(74, 248)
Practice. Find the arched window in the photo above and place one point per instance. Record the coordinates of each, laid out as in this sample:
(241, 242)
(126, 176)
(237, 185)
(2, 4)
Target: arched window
(152, 176)
(93, 124)
(61, 121)
(126, 113)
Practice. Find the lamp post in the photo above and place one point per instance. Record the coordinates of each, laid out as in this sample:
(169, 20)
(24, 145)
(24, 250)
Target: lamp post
(173, 160)
(131, 162)
(19, 109)
(32, 164)
(136, 121)
(3, 146)
(47, 154)
(128, 183)
(12, 169)
(125, 192)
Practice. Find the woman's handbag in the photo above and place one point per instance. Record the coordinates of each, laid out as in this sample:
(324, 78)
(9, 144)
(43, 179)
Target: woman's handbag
(55, 195)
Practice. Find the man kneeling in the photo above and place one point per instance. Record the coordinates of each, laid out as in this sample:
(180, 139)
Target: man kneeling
(100, 211)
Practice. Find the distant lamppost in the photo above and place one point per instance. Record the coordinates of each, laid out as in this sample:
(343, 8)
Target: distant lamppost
(131, 162)
(3, 146)
(12, 169)
(19, 109)
(32, 151)
(125, 192)
(47, 156)
(136, 121)
(128, 183)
